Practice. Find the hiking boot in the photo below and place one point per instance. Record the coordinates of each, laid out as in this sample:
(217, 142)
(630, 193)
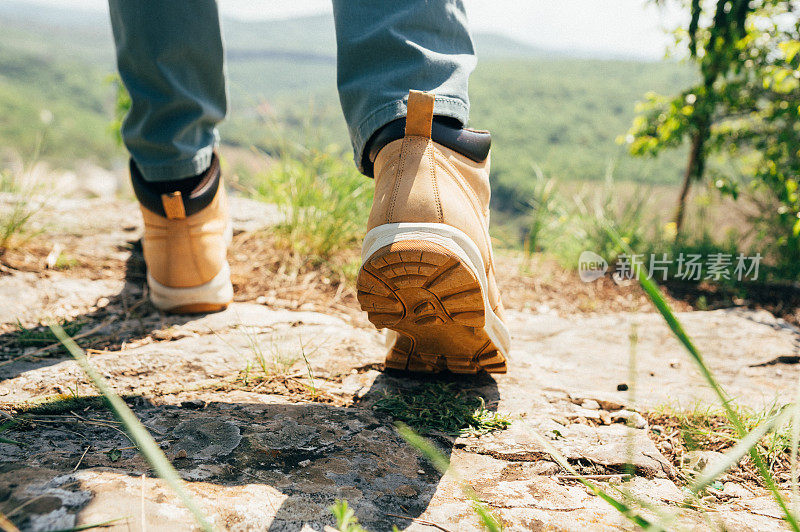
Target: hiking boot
(427, 271)
(186, 235)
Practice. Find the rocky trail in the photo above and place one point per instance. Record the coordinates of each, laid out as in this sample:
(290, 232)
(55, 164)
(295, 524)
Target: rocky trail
(267, 409)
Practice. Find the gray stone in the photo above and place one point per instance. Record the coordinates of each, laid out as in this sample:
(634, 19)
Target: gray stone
(264, 456)
(606, 446)
(606, 400)
(655, 490)
(630, 418)
(700, 460)
(732, 489)
(590, 404)
(206, 439)
(289, 434)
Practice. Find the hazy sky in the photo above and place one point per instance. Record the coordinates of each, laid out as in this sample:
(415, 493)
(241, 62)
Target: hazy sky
(627, 27)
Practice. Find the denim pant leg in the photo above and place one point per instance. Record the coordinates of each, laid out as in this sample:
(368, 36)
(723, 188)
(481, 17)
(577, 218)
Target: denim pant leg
(170, 58)
(386, 47)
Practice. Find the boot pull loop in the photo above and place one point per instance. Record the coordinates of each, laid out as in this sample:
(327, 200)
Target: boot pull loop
(173, 206)
(419, 117)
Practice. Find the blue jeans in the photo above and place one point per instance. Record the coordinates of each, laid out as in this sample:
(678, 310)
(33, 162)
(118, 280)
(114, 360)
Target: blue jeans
(170, 58)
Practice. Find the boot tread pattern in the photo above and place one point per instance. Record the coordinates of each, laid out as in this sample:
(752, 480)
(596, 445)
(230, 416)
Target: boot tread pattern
(433, 300)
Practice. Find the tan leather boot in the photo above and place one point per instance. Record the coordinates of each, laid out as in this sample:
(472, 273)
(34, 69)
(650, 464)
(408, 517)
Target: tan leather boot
(427, 270)
(185, 244)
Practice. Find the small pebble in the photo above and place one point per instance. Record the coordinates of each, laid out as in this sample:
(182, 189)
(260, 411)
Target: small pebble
(590, 404)
(622, 387)
(735, 490)
(634, 419)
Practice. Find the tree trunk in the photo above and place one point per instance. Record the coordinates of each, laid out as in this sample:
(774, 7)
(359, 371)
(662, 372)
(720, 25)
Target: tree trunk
(694, 171)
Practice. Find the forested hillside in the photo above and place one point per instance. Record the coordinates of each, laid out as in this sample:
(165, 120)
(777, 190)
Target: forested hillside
(544, 108)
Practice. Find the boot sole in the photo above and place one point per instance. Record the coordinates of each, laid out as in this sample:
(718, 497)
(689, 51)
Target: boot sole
(425, 286)
(213, 296)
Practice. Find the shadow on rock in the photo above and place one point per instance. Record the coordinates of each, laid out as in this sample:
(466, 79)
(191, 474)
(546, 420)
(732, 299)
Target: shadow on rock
(127, 317)
(260, 465)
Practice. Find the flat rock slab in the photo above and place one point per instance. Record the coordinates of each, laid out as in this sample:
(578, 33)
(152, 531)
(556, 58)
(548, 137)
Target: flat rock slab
(591, 356)
(264, 456)
(261, 464)
(269, 461)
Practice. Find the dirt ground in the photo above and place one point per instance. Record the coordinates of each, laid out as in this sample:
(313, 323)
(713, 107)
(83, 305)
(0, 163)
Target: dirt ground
(268, 412)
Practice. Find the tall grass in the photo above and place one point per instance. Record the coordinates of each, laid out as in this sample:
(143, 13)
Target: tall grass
(546, 212)
(17, 209)
(566, 226)
(748, 443)
(324, 200)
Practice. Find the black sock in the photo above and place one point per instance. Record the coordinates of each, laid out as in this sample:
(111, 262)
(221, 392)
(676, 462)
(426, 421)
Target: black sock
(185, 186)
(196, 191)
(445, 130)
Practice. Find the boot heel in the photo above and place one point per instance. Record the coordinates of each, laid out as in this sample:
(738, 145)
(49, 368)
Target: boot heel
(434, 301)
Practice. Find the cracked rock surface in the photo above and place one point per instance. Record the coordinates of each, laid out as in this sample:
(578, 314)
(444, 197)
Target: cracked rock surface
(274, 454)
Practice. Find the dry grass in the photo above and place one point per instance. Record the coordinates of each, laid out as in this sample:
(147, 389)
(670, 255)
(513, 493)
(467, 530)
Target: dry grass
(676, 433)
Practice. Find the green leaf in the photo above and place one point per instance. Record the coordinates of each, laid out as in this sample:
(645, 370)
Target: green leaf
(13, 442)
(114, 454)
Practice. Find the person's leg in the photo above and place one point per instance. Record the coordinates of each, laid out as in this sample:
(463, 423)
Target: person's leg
(427, 271)
(386, 47)
(170, 58)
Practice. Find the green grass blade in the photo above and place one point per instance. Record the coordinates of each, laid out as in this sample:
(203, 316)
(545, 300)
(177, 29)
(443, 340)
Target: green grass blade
(489, 521)
(91, 526)
(4, 428)
(626, 511)
(13, 442)
(346, 520)
(442, 464)
(138, 433)
(661, 304)
(439, 461)
(742, 447)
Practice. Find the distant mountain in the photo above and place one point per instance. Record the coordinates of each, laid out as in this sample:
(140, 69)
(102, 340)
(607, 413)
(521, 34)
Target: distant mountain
(303, 38)
(546, 109)
(495, 45)
(316, 35)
